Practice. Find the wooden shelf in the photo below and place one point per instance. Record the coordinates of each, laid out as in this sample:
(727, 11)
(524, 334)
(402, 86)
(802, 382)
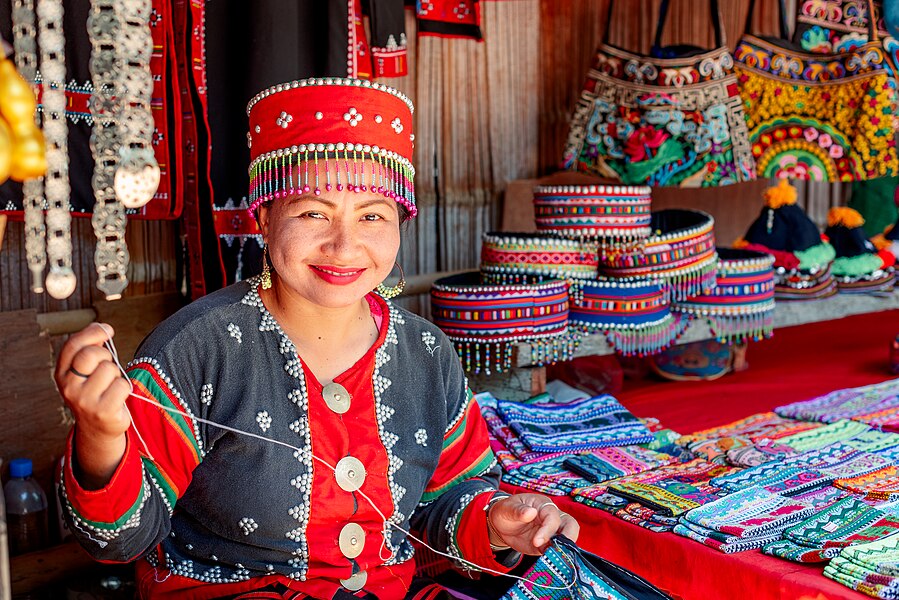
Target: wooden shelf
(786, 314)
(525, 380)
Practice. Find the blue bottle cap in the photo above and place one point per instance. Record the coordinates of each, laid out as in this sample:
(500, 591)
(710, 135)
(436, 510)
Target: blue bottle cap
(20, 467)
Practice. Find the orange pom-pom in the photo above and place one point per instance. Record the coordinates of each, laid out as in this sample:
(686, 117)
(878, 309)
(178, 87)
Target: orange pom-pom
(740, 243)
(780, 195)
(843, 215)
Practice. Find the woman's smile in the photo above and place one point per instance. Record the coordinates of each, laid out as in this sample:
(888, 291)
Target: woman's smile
(337, 275)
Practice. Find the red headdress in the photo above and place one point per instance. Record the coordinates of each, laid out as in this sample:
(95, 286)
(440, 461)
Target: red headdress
(303, 130)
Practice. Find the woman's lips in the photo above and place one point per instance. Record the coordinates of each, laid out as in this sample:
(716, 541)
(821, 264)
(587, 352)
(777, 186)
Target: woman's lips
(337, 275)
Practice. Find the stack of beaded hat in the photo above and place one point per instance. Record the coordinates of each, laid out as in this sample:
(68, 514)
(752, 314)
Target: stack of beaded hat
(802, 260)
(858, 267)
(484, 321)
(679, 254)
(741, 306)
(332, 133)
(635, 315)
(533, 257)
(613, 215)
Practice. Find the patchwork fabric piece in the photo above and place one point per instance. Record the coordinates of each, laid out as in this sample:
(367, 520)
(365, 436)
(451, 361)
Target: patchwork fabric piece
(715, 450)
(758, 454)
(547, 477)
(882, 484)
(817, 438)
(604, 464)
(845, 404)
(581, 425)
(750, 513)
(780, 477)
(671, 498)
(759, 425)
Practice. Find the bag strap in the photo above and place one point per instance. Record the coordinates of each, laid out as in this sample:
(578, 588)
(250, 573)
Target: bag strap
(663, 17)
(784, 26)
(605, 34)
(716, 23)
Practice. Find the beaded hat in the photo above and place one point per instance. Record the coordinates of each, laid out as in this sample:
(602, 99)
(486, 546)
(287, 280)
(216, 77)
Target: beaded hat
(802, 260)
(303, 130)
(680, 254)
(859, 267)
(634, 315)
(610, 214)
(533, 257)
(741, 307)
(485, 321)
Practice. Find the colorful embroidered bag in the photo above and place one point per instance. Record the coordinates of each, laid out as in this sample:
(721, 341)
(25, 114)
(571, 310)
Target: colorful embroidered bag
(565, 572)
(823, 117)
(661, 121)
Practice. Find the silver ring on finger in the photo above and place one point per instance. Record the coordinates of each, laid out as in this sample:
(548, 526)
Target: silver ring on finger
(75, 371)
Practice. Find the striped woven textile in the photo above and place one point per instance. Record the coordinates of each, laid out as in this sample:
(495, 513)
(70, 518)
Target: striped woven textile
(850, 403)
(580, 425)
(614, 215)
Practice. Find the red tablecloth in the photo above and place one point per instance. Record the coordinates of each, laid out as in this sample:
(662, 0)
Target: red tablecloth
(695, 572)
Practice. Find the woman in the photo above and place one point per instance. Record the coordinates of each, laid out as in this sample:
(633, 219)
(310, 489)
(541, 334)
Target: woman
(370, 401)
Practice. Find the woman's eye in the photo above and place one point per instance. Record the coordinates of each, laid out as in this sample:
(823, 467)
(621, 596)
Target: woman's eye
(372, 217)
(312, 215)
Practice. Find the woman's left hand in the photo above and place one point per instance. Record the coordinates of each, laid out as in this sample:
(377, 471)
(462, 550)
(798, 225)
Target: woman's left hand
(527, 522)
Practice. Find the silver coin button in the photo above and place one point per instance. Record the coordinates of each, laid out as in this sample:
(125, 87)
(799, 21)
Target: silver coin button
(351, 540)
(350, 473)
(356, 582)
(336, 397)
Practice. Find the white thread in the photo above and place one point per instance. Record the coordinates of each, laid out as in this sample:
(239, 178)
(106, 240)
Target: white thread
(111, 346)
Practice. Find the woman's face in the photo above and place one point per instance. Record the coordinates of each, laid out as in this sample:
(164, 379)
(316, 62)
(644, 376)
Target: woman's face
(332, 249)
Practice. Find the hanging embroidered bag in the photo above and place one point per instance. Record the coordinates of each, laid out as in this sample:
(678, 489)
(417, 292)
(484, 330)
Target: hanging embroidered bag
(823, 117)
(567, 572)
(662, 121)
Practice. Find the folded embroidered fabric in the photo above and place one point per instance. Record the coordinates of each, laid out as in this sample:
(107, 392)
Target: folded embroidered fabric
(845, 404)
(839, 431)
(580, 425)
(759, 426)
(794, 552)
(703, 536)
(603, 464)
(548, 477)
(821, 497)
(670, 498)
(758, 454)
(882, 484)
(750, 513)
(776, 477)
(863, 464)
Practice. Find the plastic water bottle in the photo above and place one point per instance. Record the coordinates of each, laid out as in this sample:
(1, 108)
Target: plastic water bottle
(5, 587)
(26, 509)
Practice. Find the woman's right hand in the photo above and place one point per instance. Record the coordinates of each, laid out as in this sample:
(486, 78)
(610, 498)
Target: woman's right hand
(95, 391)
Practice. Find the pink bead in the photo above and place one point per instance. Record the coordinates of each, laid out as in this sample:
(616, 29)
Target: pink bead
(361, 188)
(318, 192)
(339, 187)
(327, 187)
(306, 189)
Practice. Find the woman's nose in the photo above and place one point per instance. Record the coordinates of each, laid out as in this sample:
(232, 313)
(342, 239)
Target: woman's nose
(340, 237)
